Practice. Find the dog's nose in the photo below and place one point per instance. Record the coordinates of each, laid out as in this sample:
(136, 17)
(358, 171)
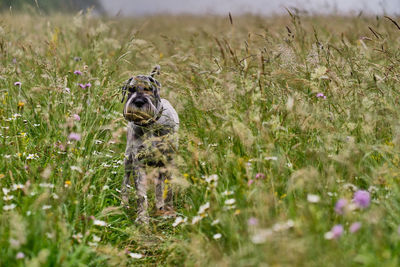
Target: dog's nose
(139, 102)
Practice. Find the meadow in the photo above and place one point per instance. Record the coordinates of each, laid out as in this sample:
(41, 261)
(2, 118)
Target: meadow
(288, 153)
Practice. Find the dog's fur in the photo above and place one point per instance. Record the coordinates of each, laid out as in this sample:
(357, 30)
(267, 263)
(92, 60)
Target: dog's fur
(151, 139)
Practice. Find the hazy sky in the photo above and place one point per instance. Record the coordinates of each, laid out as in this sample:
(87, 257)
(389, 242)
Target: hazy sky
(142, 7)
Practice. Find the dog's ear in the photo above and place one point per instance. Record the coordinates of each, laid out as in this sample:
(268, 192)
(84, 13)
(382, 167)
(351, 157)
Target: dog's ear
(155, 71)
(124, 89)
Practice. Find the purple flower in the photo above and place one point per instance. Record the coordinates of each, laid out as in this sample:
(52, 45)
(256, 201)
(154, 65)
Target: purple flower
(67, 90)
(250, 182)
(354, 227)
(362, 198)
(260, 175)
(74, 136)
(76, 117)
(20, 255)
(340, 205)
(17, 83)
(252, 221)
(321, 95)
(83, 86)
(78, 72)
(337, 231)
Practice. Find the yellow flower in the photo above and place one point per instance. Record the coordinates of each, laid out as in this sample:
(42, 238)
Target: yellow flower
(237, 212)
(2, 176)
(67, 183)
(21, 104)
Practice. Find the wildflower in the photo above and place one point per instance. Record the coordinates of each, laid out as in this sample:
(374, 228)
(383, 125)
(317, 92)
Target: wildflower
(22, 134)
(96, 238)
(362, 198)
(46, 185)
(321, 95)
(7, 197)
(271, 158)
(196, 219)
(5, 190)
(77, 237)
(20, 255)
(212, 179)
(88, 85)
(230, 201)
(77, 72)
(15, 116)
(335, 232)
(98, 142)
(17, 186)
(178, 221)
(17, 83)
(76, 117)
(9, 207)
(46, 207)
(252, 221)
(217, 236)
(250, 182)
(313, 198)
(260, 175)
(21, 104)
(99, 223)
(2, 176)
(32, 156)
(227, 193)
(354, 227)
(340, 205)
(261, 236)
(83, 86)
(215, 222)
(67, 90)
(74, 136)
(106, 187)
(135, 255)
(76, 168)
(203, 208)
(93, 244)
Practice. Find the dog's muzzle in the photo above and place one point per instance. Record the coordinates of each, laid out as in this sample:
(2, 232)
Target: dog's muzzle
(141, 111)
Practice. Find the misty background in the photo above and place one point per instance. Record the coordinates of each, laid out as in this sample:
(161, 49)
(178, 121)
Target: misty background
(262, 7)
(219, 7)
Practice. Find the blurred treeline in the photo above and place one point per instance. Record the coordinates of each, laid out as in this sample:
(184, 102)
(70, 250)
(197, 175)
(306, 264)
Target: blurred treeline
(48, 6)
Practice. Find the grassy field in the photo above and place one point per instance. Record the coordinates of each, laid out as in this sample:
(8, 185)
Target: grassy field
(289, 140)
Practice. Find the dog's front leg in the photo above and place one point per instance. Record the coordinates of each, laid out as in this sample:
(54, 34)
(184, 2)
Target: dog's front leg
(126, 182)
(141, 194)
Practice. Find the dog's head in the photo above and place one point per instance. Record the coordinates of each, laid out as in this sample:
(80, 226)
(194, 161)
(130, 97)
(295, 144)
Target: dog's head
(143, 102)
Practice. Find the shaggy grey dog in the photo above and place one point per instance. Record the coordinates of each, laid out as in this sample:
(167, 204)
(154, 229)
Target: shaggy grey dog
(151, 140)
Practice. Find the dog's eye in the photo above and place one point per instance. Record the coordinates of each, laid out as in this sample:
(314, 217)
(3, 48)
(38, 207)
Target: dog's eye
(132, 89)
(147, 89)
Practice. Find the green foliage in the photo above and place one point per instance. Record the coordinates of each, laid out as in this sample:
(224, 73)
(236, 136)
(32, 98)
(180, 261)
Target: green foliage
(263, 155)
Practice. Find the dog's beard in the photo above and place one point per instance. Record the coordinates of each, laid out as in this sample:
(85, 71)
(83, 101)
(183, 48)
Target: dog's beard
(141, 114)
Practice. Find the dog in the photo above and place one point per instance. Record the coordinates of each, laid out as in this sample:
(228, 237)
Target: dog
(151, 140)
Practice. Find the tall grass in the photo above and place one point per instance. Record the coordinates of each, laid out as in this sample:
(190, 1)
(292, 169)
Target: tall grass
(280, 118)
